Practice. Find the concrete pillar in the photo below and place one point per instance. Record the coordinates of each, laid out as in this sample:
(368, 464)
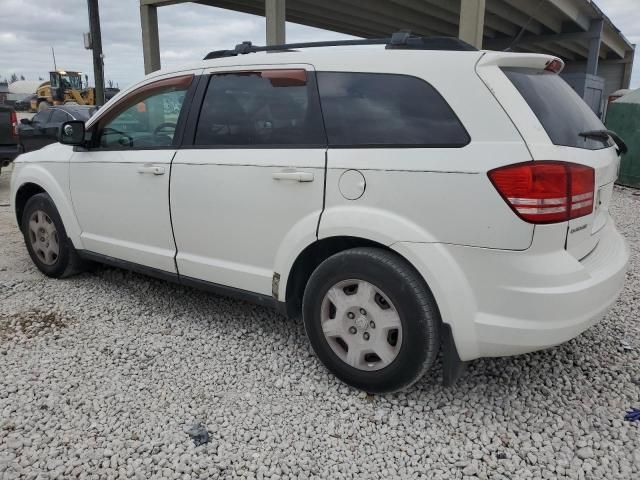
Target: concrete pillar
(595, 40)
(628, 68)
(472, 21)
(275, 13)
(150, 38)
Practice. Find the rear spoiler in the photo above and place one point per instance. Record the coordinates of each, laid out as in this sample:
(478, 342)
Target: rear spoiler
(521, 60)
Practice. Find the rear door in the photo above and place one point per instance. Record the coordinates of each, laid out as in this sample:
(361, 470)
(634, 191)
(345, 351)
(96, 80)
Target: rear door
(550, 117)
(253, 176)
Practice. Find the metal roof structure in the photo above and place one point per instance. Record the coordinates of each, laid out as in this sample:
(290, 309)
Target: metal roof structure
(574, 30)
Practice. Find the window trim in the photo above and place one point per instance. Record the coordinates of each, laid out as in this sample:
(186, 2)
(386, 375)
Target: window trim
(393, 145)
(190, 81)
(192, 122)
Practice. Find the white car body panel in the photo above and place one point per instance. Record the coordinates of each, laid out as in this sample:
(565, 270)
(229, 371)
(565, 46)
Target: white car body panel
(504, 286)
(230, 215)
(123, 213)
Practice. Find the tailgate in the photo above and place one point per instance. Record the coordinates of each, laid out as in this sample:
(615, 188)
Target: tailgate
(6, 127)
(550, 117)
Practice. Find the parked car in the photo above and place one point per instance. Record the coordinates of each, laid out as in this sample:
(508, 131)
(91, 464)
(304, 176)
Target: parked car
(9, 145)
(42, 129)
(423, 196)
(24, 104)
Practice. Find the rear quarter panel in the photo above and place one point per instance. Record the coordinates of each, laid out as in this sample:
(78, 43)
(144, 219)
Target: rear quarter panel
(431, 194)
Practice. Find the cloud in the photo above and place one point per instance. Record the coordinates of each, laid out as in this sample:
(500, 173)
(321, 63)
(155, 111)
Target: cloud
(29, 28)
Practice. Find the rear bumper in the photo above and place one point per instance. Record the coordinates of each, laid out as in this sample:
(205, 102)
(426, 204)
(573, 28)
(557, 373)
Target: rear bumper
(502, 303)
(8, 153)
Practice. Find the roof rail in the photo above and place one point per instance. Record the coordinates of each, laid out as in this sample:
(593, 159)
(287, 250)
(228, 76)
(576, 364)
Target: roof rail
(399, 40)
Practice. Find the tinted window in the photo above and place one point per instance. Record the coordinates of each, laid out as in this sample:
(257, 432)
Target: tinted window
(378, 110)
(562, 113)
(147, 122)
(274, 107)
(58, 116)
(41, 117)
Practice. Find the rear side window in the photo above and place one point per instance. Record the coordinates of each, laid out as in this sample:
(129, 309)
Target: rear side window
(560, 110)
(379, 110)
(271, 107)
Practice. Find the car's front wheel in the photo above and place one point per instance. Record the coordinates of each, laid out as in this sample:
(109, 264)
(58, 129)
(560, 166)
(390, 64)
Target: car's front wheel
(46, 238)
(371, 319)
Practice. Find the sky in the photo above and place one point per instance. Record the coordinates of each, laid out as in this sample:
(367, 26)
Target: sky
(29, 28)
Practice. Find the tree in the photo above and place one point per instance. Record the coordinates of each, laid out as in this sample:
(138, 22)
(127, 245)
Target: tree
(13, 78)
(21, 77)
(110, 83)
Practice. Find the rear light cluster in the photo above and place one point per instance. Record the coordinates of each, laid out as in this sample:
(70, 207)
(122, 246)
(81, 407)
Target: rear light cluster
(14, 124)
(546, 191)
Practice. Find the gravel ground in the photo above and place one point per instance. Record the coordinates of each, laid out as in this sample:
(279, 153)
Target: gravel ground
(102, 374)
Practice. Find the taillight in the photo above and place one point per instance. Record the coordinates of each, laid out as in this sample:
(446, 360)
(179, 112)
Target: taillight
(14, 124)
(546, 191)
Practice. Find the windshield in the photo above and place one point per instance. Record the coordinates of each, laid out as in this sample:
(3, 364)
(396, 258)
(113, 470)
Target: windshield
(67, 81)
(562, 113)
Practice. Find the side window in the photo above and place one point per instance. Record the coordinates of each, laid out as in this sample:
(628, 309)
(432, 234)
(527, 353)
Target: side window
(271, 107)
(145, 119)
(58, 116)
(41, 118)
(369, 109)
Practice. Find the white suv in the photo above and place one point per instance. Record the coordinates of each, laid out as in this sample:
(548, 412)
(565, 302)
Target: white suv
(406, 199)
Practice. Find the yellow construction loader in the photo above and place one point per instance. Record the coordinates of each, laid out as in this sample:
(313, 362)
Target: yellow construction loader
(63, 87)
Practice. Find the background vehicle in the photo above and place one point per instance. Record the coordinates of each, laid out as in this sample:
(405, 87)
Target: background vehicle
(9, 144)
(402, 208)
(24, 105)
(42, 129)
(66, 87)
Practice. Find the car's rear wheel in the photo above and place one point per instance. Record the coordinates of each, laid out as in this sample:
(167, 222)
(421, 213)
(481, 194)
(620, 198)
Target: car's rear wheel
(371, 319)
(46, 238)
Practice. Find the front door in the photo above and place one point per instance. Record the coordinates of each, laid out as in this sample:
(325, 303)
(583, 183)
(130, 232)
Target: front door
(120, 186)
(33, 134)
(252, 177)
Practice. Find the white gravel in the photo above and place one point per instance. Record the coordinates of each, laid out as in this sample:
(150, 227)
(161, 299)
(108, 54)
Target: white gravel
(102, 375)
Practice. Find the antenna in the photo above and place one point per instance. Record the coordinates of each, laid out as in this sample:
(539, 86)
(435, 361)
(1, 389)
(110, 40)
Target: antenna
(54, 58)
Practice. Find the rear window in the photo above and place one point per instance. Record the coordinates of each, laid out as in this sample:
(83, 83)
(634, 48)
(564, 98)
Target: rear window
(562, 113)
(378, 110)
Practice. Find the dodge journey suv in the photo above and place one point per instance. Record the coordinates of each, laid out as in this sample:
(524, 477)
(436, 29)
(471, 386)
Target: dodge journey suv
(406, 197)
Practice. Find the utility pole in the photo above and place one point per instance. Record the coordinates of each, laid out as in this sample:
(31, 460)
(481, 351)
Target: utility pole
(96, 47)
(55, 67)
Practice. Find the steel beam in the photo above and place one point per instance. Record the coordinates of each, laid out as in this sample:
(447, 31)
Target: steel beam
(595, 33)
(275, 12)
(150, 38)
(502, 43)
(472, 22)
(628, 68)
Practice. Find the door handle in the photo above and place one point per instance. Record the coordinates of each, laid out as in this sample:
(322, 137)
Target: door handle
(293, 175)
(148, 168)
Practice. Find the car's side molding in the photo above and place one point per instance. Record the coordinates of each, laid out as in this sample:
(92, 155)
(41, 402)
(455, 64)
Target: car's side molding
(239, 294)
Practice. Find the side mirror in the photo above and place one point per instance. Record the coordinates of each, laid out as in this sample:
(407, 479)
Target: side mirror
(71, 133)
(25, 121)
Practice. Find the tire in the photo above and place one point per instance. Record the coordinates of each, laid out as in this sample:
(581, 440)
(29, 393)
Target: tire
(390, 292)
(43, 105)
(47, 222)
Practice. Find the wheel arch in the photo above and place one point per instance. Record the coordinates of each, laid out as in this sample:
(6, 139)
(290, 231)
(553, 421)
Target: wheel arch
(34, 179)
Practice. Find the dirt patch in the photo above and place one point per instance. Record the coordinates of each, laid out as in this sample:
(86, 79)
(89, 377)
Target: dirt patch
(31, 323)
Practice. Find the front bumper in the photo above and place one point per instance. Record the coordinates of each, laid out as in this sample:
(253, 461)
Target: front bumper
(502, 303)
